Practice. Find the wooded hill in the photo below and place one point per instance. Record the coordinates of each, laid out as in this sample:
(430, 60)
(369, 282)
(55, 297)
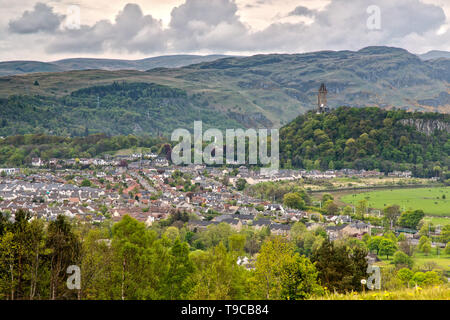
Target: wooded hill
(368, 138)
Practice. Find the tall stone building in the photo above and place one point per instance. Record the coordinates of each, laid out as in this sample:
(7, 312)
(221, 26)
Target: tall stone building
(322, 105)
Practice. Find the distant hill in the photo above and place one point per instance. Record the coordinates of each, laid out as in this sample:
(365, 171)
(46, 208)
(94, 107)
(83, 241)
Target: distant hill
(263, 90)
(23, 67)
(367, 138)
(435, 54)
(174, 61)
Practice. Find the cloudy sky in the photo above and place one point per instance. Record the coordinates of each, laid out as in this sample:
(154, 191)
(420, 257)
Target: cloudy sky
(50, 30)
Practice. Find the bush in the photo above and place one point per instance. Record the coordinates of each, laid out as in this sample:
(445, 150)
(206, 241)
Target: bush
(401, 259)
(429, 278)
(405, 275)
(447, 249)
(85, 183)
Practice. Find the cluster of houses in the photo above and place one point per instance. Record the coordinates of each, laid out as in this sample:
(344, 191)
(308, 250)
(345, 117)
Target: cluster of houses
(291, 174)
(147, 159)
(144, 193)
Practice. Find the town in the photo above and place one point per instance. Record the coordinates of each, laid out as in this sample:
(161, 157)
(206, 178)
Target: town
(144, 186)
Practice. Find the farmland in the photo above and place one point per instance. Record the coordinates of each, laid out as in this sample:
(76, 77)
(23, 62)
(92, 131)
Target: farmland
(433, 201)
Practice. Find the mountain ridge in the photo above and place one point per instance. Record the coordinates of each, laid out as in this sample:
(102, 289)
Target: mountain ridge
(269, 90)
(435, 54)
(17, 67)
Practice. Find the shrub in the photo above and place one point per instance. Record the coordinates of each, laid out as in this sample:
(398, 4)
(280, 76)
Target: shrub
(401, 259)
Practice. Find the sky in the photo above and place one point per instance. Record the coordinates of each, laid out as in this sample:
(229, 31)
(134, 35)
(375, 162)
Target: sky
(52, 30)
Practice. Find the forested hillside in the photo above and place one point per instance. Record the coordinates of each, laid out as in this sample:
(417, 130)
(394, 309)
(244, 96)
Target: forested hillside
(368, 138)
(118, 108)
(257, 91)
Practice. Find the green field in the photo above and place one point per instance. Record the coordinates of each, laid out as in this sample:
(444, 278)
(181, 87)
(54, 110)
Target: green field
(437, 220)
(428, 199)
(442, 261)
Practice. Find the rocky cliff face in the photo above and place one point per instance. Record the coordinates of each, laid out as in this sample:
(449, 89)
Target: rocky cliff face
(427, 126)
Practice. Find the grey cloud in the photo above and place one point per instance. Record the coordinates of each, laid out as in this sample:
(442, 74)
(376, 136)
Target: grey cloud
(398, 18)
(215, 26)
(132, 31)
(41, 18)
(206, 24)
(302, 11)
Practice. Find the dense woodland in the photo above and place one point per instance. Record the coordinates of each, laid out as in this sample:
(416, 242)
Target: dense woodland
(114, 109)
(365, 138)
(167, 260)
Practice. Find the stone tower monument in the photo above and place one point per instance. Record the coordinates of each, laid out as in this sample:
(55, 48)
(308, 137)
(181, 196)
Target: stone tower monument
(322, 106)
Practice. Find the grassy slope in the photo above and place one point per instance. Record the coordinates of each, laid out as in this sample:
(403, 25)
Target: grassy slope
(433, 293)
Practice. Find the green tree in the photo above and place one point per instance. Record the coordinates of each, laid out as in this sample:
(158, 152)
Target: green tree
(405, 275)
(326, 197)
(65, 248)
(136, 267)
(283, 274)
(241, 183)
(424, 244)
(410, 219)
(387, 247)
(172, 233)
(445, 234)
(86, 183)
(294, 201)
(347, 210)
(299, 279)
(361, 208)
(273, 255)
(236, 243)
(217, 275)
(177, 282)
(374, 243)
(331, 208)
(447, 248)
(340, 268)
(391, 215)
(402, 260)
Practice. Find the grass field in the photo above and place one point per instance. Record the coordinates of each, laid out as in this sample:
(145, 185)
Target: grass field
(438, 220)
(443, 261)
(428, 199)
(441, 292)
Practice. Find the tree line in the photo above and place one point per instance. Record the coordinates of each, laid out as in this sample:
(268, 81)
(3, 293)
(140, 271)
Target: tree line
(128, 260)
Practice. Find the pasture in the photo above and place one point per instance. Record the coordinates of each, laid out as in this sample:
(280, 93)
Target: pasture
(433, 201)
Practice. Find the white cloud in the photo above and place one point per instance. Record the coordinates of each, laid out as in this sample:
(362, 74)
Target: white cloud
(41, 18)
